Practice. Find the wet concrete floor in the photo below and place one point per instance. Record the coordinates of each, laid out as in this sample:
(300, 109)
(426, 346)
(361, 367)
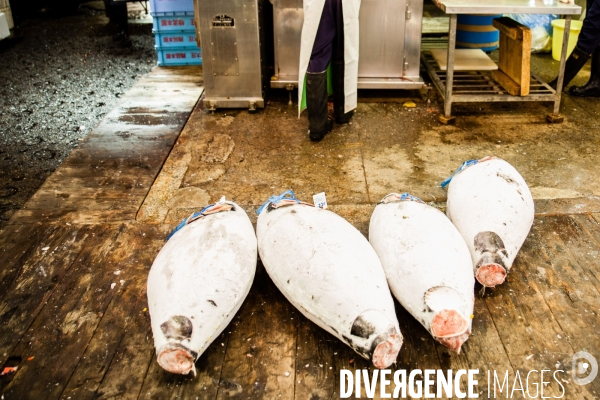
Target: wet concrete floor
(387, 147)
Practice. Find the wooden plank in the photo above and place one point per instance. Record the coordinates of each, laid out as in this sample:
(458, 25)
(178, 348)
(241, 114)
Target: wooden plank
(581, 234)
(73, 216)
(117, 357)
(464, 60)
(315, 359)
(485, 349)
(192, 72)
(133, 117)
(507, 83)
(160, 384)
(59, 335)
(133, 139)
(75, 191)
(551, 352)
(208, 368)
(581, 205)
(123, 181)
(49, 201)
(530, 335)
(17, 244)
(514, 56)
(508, 27)
(419, 350)
(569, 295)
(108, 149)
(24, 298)
(262, 346)
(80, 164)
(106, 172)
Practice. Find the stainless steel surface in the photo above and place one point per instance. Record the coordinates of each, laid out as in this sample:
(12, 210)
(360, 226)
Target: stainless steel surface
(507, 7)
(364, 83)
(412, 40)
(390, 83)
(237, 102)
(231, 50)
(390, 43)
(288, 16)
(381, 35)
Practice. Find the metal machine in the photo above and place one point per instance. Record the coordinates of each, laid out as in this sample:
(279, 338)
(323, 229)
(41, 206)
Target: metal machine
(390, 43)
(233, 52)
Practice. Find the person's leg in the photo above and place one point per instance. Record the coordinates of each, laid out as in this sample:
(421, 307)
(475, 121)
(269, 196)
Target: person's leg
(323, 45)
(117, 14)
(316, 76)
(338, 66)
(588, 40)
(592, 87)
(589, 37)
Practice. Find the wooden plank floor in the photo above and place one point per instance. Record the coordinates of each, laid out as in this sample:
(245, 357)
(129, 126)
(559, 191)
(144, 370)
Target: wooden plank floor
(74, 321)
(107, 177)
(73, 308)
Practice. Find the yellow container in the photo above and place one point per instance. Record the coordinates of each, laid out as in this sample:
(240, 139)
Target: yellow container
(558, 26)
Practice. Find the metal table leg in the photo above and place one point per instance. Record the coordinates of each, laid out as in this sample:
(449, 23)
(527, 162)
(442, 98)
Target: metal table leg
(555, 117)
(447, 118)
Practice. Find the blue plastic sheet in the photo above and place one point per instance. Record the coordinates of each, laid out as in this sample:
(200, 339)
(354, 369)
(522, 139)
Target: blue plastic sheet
(541, 30)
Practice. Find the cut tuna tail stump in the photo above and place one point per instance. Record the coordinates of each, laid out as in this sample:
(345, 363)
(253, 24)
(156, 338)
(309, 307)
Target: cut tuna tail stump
(328, 270)
(427, 264)
(492, 208)
(198, 282)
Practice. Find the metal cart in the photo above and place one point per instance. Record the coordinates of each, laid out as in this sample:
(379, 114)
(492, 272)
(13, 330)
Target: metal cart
(233, 53)
(458, 88)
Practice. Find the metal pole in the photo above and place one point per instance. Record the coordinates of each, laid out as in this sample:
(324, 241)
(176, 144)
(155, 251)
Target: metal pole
(450, 66)
(561, 68)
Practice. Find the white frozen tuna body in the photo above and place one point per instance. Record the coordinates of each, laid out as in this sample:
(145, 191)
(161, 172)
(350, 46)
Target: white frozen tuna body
(198, 282)
(427, 264)
(492, 207)
(326, 268)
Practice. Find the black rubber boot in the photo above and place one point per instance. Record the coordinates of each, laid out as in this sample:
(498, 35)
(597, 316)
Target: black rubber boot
(574, 63)
(592, 88)
(337, 69)
(316, 103)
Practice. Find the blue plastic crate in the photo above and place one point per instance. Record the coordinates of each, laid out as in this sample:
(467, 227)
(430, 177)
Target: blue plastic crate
(174, 22)
(183, 39)
(161, 6)
(178, 56)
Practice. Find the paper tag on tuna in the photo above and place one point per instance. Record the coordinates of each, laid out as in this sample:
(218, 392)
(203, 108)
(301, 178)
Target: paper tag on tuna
(319, 200)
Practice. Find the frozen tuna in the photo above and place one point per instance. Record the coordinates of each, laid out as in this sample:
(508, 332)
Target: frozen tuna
(198, 282)
(427, 264)
(328, 270)
(492, 208)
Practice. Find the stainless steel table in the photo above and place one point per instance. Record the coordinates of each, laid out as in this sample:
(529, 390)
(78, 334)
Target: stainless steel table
(489, 90)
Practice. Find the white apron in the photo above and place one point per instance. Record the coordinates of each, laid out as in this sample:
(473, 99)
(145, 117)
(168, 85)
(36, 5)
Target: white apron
(312, 17)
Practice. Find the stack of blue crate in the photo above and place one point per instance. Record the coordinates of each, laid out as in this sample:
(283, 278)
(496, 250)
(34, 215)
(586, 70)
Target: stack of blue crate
(174, 31)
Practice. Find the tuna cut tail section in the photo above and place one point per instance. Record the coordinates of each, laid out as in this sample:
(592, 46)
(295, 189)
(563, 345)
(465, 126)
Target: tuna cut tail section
(375, 337)
(177, 359)
(174, 356)
(386, 351)
(491, 267)
(491, 275)
(450, 329)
